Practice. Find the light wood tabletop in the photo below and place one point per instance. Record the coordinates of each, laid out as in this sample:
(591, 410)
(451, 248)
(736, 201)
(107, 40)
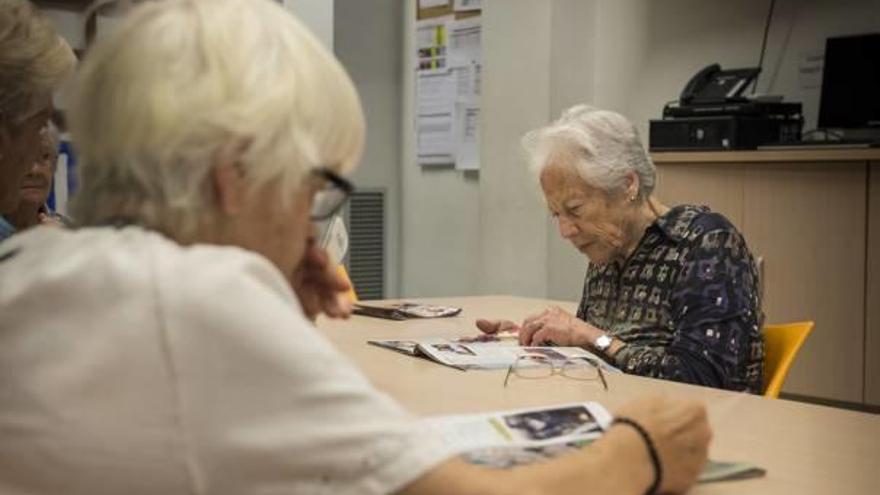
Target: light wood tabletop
(806, 449)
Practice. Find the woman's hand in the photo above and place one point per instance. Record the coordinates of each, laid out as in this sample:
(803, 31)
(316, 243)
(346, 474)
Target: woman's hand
(680, 433)
(319, 288)
(557, 326)
(492, 327)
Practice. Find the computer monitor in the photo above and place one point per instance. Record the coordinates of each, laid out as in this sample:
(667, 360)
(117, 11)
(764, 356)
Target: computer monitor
(851, 83)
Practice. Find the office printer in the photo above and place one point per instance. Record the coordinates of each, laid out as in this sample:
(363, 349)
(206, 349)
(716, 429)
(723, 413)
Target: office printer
(713, 114)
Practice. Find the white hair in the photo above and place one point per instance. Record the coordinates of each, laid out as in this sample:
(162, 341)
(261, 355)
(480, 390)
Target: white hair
(179, 83)
(603, 147)
(34, 60)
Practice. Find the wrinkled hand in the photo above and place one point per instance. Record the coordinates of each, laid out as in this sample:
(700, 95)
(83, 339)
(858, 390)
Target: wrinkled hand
(681, 434)
(319, 288)
(557, 326)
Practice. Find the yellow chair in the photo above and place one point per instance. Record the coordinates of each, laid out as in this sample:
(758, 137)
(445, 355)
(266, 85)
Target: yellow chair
(781, 345)
(352, 295)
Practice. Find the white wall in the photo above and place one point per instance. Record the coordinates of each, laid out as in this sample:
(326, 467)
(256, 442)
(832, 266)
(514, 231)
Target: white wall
(440, 226)
(317, 15)
(541, 56)
(685, 35)
(367, 40)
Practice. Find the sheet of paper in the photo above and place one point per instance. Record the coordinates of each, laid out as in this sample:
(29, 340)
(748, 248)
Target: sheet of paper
(466, 132)
(465, 41)
(465, 62)
(434, 120)
(467, 5)
(435, 94)
(432, 44)
(425, 4)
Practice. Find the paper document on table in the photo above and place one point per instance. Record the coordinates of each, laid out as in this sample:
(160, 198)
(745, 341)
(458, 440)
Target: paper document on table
(467, 353)
(506, 439)
(521, 428)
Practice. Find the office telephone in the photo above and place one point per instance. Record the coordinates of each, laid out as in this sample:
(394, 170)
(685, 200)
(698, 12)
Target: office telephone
(712, 84)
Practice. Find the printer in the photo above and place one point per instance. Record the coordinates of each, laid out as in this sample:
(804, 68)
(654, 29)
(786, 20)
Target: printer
(713, 114)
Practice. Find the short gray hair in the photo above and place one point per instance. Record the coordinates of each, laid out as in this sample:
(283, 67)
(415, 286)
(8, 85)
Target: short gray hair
(34, 60)
(602, 146)
(180, 82)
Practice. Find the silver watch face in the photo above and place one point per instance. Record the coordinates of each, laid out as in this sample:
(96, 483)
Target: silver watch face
(603, 342)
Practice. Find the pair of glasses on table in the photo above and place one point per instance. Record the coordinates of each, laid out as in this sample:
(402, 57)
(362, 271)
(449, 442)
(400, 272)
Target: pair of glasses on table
(329, 200)
(536, 366)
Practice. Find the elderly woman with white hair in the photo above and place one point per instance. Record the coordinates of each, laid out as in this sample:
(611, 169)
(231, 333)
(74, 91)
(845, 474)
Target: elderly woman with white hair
(669, 293)
(34, 61)
(178, 356)
(36, 185)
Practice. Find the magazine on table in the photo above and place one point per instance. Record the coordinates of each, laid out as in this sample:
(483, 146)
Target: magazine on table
(406, 310)
(505, 439)
(484, 353)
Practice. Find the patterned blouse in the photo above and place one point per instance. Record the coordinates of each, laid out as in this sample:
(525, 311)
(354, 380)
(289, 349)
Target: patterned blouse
(686, 303)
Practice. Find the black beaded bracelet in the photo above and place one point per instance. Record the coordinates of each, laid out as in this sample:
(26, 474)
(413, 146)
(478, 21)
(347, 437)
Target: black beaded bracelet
(652, 452)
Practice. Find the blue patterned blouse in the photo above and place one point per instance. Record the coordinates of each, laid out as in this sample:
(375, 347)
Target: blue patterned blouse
(686, 303)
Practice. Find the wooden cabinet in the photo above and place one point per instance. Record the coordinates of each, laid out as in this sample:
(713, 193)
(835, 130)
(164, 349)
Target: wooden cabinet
(813, 218)
(872, 292)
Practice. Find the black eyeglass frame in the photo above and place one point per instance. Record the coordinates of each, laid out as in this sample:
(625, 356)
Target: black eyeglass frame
(335, 182)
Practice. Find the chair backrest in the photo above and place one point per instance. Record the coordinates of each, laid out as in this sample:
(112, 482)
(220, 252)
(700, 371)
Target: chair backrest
(352, 295)
(781, 345)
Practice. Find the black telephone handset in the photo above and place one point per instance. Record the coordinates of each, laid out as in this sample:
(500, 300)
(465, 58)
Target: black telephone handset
(698, 82)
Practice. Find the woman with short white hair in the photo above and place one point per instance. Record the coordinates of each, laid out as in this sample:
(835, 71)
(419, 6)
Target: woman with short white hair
(669, 292)
(175, 358)
(34, 61)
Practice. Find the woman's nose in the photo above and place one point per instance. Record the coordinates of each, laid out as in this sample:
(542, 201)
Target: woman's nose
(567, 228)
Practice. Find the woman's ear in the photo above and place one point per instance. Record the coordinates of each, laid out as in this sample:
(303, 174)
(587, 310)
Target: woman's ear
(632, 186)
(228, 179)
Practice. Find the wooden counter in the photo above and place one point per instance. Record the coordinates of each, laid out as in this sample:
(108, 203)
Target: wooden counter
(813, 219)
(762, 156)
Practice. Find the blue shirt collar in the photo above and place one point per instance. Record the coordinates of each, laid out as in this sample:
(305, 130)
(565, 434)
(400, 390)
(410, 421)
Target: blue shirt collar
(6, 229)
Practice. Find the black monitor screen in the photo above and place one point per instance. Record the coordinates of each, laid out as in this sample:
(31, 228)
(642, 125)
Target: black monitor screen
(851, 83)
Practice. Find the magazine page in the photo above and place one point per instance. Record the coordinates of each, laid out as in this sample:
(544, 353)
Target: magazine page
(502, 354)
(523, 428)
(408, 347)
(506, 439)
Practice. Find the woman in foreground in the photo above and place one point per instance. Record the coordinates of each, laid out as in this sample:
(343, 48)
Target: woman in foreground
(179, 356)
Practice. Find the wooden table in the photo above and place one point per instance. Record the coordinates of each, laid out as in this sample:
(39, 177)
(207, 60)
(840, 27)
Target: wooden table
(806, 449)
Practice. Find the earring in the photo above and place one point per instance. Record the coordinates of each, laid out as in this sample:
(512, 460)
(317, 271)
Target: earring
(632, 198)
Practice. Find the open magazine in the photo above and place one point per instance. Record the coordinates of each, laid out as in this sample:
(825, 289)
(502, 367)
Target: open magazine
(468, 353)
(507, 439)
(406, 310)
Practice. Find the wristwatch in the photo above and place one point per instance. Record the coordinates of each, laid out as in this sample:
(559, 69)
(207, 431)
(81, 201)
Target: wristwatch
(603, 343)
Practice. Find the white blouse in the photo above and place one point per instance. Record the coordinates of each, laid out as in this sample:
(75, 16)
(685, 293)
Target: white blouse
(130, 364)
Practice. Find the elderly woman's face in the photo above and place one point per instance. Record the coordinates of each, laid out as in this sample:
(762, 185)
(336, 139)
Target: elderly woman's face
(37, 181)
(20, 148)
(590, 218)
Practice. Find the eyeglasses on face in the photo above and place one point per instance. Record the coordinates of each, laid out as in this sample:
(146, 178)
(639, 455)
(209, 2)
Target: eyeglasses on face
(329, 201)
(536, 366)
